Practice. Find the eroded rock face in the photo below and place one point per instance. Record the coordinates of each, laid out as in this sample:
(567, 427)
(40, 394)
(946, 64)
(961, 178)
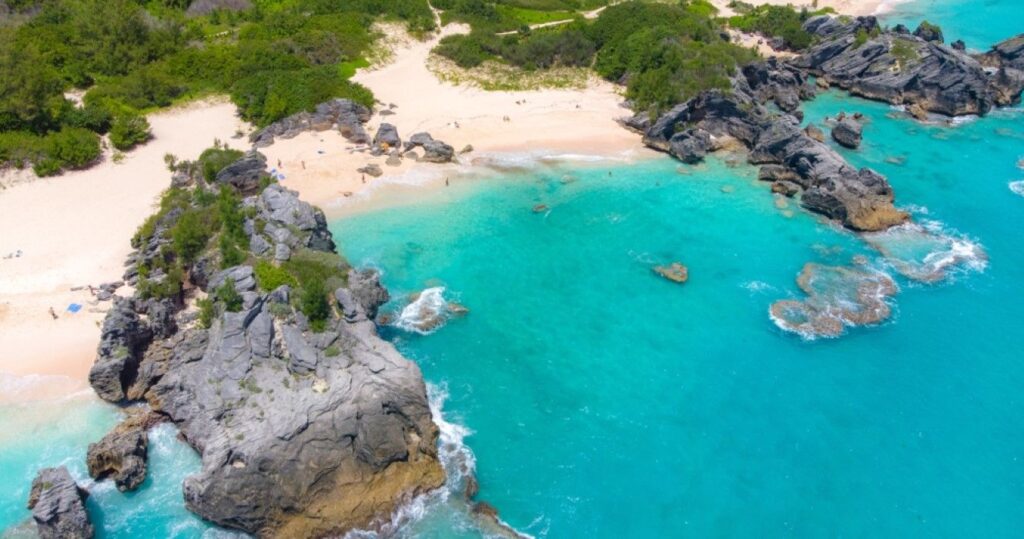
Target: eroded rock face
(121, 454)
(345, 115)
(387, 137)
(58, 506)
(848, 132)
(859, 199)
(301, 432)
(245, 174)
(901, 68)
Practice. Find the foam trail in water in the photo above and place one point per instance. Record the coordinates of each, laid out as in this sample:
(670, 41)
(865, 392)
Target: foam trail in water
(448, 506)
(927, 252)
(1017, 187)
(426, 313)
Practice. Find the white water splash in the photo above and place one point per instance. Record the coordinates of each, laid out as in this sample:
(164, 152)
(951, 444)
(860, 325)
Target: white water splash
(1017, 187)
(426, 314)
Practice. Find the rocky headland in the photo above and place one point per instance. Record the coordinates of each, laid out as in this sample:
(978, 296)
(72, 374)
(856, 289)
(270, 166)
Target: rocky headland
(267, 361)
(58, 506)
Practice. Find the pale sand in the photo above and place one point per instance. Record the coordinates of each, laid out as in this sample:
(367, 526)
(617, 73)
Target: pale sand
(74, 230)
(544, 122)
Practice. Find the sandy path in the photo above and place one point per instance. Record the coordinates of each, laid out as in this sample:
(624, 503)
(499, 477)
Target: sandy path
(74, 229)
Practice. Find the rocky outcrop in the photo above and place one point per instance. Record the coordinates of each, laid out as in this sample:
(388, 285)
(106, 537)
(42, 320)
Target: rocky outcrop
(245, 175)
(1007, 54)
(904, 69)
(859, 199)
(58, 506)
(929, 32)
(304, 428)
(344, 115)
(387, 138)
(123, 339)
(121, 454)
(848, 132)
(434, 151)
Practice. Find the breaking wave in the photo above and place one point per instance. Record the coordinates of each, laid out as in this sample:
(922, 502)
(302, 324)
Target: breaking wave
(428, 312)
(1017, 187)
(927, 252)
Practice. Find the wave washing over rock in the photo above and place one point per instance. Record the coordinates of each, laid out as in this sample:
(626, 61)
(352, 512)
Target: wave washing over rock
(926, 252)
(837, 297)
(428, 311)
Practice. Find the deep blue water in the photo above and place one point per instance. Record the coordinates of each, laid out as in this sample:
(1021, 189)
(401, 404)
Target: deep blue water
(605, 401)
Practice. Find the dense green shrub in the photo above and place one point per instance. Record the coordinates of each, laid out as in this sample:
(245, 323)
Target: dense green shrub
(213, 160)
(314, 304)
(776, 21)
(71, 147)
(191, 233)
(207, 310)
(269, 276)
(128, 130)
(230, 297)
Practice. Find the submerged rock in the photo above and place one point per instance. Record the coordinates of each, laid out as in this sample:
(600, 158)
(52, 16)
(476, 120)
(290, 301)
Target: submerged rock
(58, 506)
(675, 272)
(837, 297)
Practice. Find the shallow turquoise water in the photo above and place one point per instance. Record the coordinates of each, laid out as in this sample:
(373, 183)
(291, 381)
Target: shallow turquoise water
(607, 402)
(980, 23)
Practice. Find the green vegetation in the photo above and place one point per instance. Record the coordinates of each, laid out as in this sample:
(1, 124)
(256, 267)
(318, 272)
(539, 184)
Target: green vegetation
(314, 304)
(775, 21)
(230, 297)
(128, 131)
(275, 59)
(664, 53)
(269, 276)
(207, 310)
(904, 52)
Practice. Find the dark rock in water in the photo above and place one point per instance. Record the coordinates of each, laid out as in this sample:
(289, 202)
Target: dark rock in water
(785, 188)
(123, 338)
(674, 272)
(121, 454)
(435, 151)
(58, 506)
(900, 29)
(245, 174)
(690, 146)
(541, 208)
(776, 173)
(205, 7)
(929, 32)
(366, 289)
(387, 137)
(848, 133)
(959, 45)
(903, 69)
(815, 132)
(348, 116)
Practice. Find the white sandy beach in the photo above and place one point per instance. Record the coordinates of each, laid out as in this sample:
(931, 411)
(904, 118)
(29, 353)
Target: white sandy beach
(845, 7)
(74, 230)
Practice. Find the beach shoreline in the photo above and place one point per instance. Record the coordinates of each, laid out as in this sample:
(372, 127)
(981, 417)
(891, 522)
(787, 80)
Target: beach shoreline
(73, 230)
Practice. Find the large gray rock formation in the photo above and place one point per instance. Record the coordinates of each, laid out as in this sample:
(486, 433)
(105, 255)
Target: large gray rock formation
(121, 454)
(904, 69)
(245, 175)
(859, 199)
(848, 132)
(304, 429)
(58, 506)
(344, 115)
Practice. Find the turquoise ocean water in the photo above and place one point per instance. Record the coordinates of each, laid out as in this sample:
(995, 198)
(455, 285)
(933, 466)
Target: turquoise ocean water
(598, 400)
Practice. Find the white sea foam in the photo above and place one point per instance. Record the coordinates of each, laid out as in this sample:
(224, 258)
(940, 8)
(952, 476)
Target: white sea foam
(1017, 187)
(426, 314)
(756, 287)
(459, 465)
(928, 252)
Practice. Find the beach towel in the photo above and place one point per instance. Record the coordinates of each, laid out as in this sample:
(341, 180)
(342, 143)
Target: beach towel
(74, 308)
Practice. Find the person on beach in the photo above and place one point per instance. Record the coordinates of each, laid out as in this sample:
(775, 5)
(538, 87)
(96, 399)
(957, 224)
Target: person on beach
(364, 178)
(53, 313)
